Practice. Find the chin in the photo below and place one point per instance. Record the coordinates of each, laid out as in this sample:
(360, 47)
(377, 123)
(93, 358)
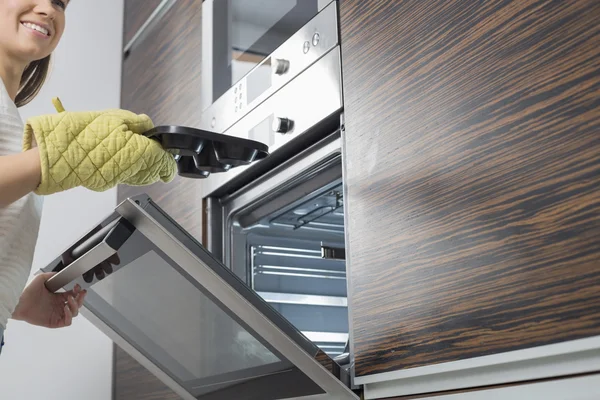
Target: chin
(32, 53)
(30, 57)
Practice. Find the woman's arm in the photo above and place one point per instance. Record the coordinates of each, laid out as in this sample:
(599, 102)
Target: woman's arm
(19, 174)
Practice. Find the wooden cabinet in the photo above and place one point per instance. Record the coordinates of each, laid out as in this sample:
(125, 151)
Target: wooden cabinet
(472, 166)
(161, 78)
(135, 15)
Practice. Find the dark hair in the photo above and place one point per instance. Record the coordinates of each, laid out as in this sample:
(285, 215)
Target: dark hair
(32, 80)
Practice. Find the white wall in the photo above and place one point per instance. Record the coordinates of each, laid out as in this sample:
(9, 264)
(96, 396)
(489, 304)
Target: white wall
(74, 362)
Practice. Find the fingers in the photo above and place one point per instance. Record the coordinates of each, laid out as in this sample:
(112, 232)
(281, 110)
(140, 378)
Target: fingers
(80, 299)
(137, 123)
(74, 300)
(73, 307)
(68, 320)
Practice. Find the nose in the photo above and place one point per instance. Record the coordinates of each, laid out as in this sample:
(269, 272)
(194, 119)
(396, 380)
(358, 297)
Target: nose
(45, 8)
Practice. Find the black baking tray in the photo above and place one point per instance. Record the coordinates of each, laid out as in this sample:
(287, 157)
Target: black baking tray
(200, 153)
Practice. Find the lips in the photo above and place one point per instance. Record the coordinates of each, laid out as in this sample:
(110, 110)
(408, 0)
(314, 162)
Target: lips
(37, 27)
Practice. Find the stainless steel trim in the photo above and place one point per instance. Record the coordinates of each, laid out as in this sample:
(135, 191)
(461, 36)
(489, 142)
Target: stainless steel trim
(520, 371)
(347, 212)
(307, 100)
(323, 3)
(214, 221)
(585, 387)
(224, 110)
(151, 22)
(234, 301)
(303, 299)
(89, 260)
(139, 357)
(207, 54)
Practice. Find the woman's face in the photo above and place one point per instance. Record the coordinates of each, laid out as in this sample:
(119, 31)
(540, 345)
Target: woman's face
(30, 29)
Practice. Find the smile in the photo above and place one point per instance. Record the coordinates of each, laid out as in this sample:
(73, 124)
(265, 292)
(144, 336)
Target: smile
(36, 27)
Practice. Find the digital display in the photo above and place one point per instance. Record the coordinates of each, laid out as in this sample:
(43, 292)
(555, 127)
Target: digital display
(258, 81)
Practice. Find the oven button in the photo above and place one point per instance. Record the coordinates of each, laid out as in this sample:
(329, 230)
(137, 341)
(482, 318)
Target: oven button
(281, 66)
(316, 38)
(306, 47)
(283, 125)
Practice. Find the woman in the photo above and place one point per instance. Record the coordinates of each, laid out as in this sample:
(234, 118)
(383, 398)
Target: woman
(30, 30)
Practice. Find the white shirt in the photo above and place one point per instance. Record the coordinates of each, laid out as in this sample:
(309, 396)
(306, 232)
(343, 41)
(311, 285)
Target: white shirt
(19, 222)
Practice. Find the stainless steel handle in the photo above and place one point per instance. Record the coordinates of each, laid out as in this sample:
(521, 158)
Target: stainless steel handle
(95, 250)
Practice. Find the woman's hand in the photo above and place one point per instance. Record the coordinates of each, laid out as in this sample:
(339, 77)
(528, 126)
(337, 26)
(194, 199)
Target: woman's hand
(38, 306)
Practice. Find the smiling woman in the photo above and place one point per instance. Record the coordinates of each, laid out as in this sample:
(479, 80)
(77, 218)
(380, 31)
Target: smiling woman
(33, 160)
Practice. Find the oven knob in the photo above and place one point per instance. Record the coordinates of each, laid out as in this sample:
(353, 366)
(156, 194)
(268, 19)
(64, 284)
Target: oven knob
(283, 125)
(281, 66)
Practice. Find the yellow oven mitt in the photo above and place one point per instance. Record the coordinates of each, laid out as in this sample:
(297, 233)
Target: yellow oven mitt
(97, 150)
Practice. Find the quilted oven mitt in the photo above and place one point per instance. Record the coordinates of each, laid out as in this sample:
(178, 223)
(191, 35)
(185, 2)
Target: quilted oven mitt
(97, 150)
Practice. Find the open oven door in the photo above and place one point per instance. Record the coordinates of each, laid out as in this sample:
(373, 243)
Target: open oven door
(181, 313)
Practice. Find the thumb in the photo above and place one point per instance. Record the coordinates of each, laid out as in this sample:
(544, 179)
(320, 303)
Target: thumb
(45, 275)
(137, 123)
(40, 279)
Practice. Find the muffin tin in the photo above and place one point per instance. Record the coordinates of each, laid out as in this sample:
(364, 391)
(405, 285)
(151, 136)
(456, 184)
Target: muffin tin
(200, 153)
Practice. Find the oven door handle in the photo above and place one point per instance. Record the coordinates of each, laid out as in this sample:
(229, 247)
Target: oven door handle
(95, 250)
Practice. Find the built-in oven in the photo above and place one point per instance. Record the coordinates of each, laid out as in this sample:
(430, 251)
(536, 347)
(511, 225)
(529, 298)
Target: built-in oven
(279, 223)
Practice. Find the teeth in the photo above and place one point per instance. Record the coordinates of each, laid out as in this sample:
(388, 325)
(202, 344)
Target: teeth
(36, 27)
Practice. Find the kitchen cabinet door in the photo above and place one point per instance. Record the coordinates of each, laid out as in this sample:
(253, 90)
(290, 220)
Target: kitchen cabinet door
(161, 78)
(472, 170)
(135, 15)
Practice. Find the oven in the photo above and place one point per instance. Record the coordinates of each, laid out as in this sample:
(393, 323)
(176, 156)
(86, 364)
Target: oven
(279, 223)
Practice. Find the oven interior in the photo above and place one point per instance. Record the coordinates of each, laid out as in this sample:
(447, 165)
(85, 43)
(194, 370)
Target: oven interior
(278, 243)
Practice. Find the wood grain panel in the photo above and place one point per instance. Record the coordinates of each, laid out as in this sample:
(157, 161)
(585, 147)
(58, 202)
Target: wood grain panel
(472, 151)
(326, 361)
(136, 13)
(162, 78)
